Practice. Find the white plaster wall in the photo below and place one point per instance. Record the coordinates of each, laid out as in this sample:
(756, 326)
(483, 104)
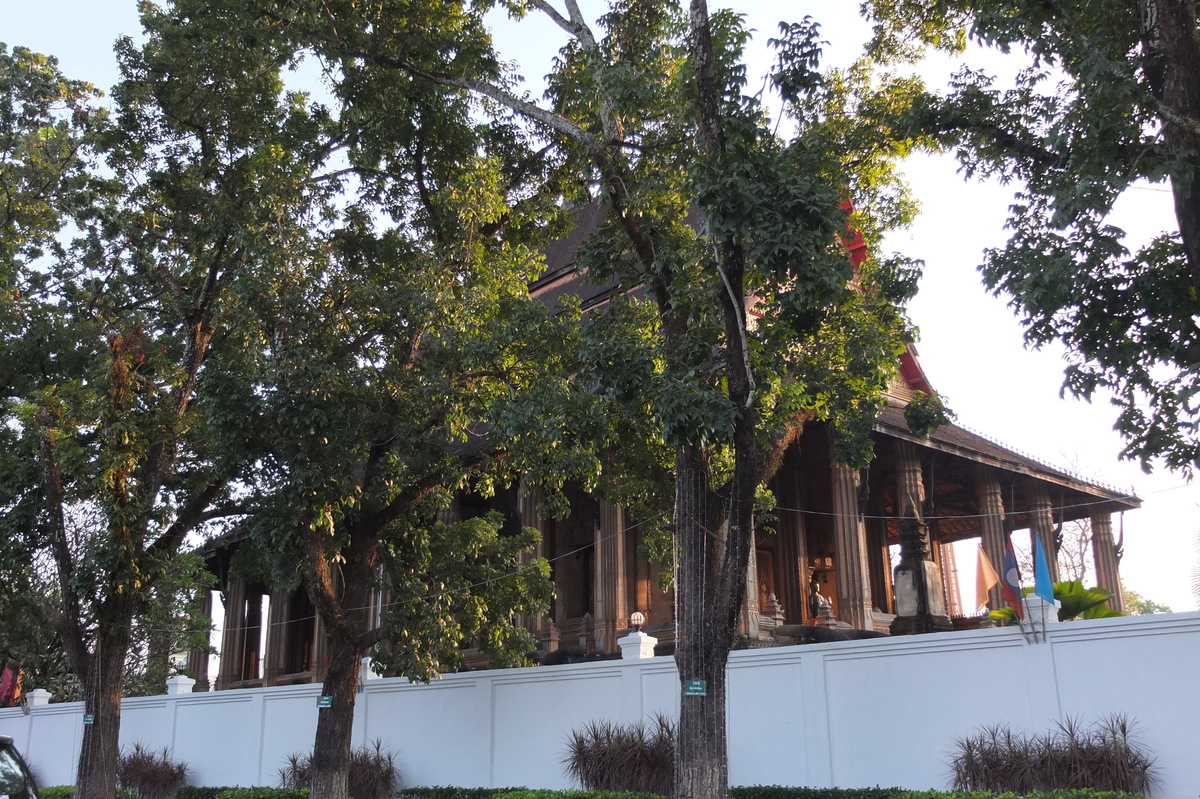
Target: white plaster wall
(859, 713)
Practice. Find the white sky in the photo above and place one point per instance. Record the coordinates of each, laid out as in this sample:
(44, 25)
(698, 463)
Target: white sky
(971, 346)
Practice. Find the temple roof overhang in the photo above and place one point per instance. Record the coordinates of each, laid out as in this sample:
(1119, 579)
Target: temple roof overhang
(954, 456)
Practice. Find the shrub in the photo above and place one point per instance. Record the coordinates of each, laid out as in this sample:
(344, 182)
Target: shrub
(1103, 757)
(66, 791)
(56, 792)
(201, 791)
(788, 792)
(450, 792)
(260, 792)
(1082, 793)
(373, 772)
(548, 794)
(151, 774)
(639, 757)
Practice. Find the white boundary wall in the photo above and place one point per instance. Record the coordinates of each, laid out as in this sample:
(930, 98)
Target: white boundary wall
(852, 714)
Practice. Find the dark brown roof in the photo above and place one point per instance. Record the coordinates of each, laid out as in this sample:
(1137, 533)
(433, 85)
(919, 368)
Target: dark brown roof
(963, 443)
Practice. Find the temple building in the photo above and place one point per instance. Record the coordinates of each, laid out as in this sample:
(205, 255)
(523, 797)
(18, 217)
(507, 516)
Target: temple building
(869, 550)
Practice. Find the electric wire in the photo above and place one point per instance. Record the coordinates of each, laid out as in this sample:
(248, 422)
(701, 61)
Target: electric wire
(612, 534)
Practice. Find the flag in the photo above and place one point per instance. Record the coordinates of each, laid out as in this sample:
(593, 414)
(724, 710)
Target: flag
(1042, 585)
(985, 579)
(8, 686)
(1010, 581)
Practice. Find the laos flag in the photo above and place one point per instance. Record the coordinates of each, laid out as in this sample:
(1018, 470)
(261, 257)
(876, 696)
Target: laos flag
(1010, 581)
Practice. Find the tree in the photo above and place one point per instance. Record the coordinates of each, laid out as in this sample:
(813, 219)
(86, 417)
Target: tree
(655, 117)
(48, 124)
(1112, 99)
(1074, 553)
(120, 292)
(738, 316)
(379, 347)
(1138, 605)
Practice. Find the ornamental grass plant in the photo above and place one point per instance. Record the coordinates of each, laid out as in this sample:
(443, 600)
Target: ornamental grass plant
(604, 756)
(1103, 757)
(150, 773)
(373, 772)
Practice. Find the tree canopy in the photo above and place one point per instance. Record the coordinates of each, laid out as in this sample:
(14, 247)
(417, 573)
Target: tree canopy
(316, 318)
(1110, 101)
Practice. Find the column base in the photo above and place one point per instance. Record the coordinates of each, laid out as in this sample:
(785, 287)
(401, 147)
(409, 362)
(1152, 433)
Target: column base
(923, 623)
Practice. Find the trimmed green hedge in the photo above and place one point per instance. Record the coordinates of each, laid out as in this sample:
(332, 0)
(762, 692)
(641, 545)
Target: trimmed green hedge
(543, 794)
(57, 792)
(741, 792)
(786, 792)
(1086, 793)
(450, 792)
(203, 791)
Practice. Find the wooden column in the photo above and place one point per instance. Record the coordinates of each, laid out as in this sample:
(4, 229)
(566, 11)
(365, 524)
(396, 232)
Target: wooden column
(612, 613)
(277, 629)
(197, 659)
(793, 552)
(910, 483)
(1107, 558)
(850, 550)
(918, 587)
(991, 525)
(232, 635)
(528, 498)
(1041, 526)
(879, 562)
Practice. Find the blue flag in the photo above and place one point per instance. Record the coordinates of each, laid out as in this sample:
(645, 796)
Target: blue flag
(1042, 586)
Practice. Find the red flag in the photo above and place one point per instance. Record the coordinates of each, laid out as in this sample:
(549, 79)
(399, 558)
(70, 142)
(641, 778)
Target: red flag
(1010, 581)
(8, 684)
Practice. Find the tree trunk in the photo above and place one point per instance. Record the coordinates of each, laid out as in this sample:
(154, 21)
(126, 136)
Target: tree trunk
(96, 775)
(335, 724)
(1172, 65)
(708, 603)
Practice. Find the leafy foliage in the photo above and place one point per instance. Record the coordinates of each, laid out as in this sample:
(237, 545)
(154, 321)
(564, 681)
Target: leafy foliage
(107, 335)
(1109, 103)
(388, 357)
(925, 413)
(1076, 602)
(1138, 605)
(451, 792)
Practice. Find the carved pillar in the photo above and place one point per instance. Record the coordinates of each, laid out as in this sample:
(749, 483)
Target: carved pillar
(528, 498)
(232, 635)
(850, 550)
(793, 551)
(197, 659)
(277, 629)
(1104, 552)
(920, 598)
(612, 613)
(879, 562)
(1041, 526)
(748, 618)
(991, 525)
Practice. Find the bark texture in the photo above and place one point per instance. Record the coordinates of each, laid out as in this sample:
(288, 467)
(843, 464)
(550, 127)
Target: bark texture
(1172, 64)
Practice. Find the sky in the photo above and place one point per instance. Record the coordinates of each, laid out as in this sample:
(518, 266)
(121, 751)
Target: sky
(970, 345)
